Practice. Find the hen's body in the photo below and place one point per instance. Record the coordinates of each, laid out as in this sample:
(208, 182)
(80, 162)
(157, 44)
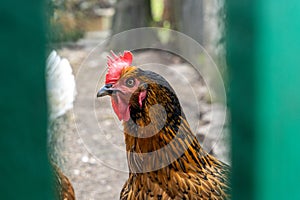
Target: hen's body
(194, 175)
(164, 157)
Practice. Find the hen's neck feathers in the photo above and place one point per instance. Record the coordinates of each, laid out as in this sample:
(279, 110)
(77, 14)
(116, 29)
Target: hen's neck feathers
(161, 136)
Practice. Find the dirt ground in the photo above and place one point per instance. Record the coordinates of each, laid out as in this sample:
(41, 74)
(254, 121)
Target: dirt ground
(87, 142)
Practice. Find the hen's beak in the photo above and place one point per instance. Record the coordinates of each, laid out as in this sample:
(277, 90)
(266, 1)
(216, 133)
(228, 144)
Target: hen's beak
(105, 90)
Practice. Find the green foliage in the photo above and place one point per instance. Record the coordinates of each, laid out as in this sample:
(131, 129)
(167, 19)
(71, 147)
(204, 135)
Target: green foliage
(59, 33)
(157, 9)
(62, 22)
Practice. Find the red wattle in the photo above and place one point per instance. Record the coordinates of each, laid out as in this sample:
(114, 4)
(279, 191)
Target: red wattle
(142, 96)
(121, 108)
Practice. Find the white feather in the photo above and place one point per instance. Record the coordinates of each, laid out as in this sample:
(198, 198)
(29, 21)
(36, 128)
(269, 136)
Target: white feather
(61, 89)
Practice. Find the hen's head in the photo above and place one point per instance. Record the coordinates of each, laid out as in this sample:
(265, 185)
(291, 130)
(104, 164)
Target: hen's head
(130, 88)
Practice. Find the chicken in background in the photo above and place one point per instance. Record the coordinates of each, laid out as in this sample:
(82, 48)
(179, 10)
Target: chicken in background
(61, 91)
(165, 159)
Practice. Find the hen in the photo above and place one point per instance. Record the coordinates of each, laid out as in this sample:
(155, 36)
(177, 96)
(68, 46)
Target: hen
(61, 93)
(164, 157)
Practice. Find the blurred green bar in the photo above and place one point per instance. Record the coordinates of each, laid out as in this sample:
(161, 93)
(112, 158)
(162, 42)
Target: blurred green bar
(264, 65)
(278, 99)
(25, 171)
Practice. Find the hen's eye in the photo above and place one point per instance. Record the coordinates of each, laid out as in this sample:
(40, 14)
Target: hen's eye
(130, 82)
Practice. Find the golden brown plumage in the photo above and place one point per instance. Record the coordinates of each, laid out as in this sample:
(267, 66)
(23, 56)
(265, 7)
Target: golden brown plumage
(64, 188)
(164, 157)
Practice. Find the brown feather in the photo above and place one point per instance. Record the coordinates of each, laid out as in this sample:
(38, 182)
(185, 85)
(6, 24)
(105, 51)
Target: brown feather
(64, 188)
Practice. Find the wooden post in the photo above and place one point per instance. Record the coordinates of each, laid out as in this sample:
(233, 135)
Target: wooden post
(25, 171)
(131, 14)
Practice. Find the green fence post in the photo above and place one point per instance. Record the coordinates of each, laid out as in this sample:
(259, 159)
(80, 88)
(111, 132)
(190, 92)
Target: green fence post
(25, 171)
(240, 55)
(278, 102)
(263, 56)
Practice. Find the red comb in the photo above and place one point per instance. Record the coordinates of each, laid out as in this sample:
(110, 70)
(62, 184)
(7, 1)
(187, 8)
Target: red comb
(116, 64)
